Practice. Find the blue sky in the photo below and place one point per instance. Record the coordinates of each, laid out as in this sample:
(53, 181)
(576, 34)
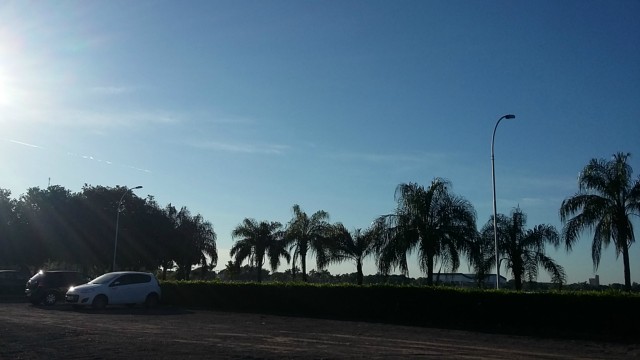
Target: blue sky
(243, 108)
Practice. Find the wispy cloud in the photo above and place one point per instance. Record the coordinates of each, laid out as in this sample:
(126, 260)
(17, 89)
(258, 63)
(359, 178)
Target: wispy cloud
(111, 90)
(91, 119)
(390, 157)
(116, 119)
(25, 144)
(539, 184)
(232, 120)
(243, 147)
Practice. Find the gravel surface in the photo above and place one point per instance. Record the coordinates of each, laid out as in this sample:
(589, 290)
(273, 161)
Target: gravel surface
(60, 332)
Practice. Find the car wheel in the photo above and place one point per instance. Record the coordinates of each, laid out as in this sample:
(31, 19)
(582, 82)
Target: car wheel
(152, 300)
(50, 298)
(99, 302)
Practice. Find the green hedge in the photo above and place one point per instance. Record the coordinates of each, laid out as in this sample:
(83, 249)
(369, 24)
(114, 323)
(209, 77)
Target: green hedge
(611, 316)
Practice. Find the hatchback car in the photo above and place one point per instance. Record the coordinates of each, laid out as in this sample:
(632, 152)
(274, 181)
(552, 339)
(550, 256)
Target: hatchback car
(49, 287)
(116, 288)
(12, 282)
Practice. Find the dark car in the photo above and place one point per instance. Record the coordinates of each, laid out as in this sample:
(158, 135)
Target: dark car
(12, 282)
(49, 287)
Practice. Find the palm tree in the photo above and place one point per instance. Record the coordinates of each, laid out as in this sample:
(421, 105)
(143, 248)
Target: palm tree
(432, 221)
(306, 234)
(355, 246)
(258, 240)
(604, 203)
(522, 248)
(195, 241)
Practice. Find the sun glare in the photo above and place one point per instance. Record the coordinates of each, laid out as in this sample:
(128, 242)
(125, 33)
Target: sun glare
(5, 96)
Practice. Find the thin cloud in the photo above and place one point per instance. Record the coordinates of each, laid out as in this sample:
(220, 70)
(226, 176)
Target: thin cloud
(108, 162)
(389, 158)
(120, 119)
(91, 119)
(111, 90)
(25, 144)
(243, 148)
(232, 120)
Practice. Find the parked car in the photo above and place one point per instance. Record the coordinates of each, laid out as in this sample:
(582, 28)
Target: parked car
(117, 288)
(12, 282)
(49, 287)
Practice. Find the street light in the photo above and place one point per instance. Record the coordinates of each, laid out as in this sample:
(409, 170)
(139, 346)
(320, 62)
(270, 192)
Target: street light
(115, 243)
(495, 214)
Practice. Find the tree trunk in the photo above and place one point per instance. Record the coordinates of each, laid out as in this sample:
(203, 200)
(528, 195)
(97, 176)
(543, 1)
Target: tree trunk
(627, 269)
(429, 270)
(259, 267)
(303, 263)
(517, 280)
(359, 270)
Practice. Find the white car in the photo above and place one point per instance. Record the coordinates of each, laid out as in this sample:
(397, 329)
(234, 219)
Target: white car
(116, 288)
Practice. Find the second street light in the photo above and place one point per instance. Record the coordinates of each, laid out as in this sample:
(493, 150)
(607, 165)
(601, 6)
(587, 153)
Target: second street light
(495, 213)
(115, 243)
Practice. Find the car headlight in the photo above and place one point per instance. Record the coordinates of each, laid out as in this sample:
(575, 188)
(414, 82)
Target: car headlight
(72, 288)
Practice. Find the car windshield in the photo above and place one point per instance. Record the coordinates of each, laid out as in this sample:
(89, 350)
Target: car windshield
(104, 279)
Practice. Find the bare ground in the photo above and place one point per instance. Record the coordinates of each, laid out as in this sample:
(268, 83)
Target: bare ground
(59, 332)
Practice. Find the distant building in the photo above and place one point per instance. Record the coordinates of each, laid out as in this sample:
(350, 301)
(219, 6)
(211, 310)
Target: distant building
(595, 281)
(466, 280)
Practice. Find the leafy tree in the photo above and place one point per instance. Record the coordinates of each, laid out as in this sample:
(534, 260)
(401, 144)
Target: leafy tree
(45, 226)
(196, 240)
(158, 230)
(322, 276)
(604, 203)
(257, 240)
(522, 248)
(97, 210)
(354, 246)
(432, 221)
(9, 248)
(306, 234)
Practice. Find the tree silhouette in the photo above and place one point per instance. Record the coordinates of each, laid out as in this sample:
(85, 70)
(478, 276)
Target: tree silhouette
(354, 246)
(522, 248)
(257, 240)
(306, 234)
(607, 198)
(432, 221)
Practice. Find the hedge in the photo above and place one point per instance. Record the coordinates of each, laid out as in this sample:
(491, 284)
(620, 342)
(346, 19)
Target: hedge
(610, 316)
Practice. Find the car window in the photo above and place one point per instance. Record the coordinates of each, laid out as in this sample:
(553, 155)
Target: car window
(140, 278)
(7, 275)
(103, 279)
(125, 279)
(55, 279)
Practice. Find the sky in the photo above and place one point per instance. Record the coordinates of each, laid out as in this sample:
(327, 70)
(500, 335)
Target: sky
(241, 109)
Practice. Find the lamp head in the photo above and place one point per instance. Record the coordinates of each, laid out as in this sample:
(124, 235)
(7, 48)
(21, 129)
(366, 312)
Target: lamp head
(510, 116)
(137, 187)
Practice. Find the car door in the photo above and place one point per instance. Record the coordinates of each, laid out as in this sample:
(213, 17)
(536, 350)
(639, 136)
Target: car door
(139, 287)
(118, 292)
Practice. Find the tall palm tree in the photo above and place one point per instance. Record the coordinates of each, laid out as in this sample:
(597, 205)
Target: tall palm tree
(355, 246)
(258, 240)
(432, 221)
(522, 248)
(604, 203)
(306, 234)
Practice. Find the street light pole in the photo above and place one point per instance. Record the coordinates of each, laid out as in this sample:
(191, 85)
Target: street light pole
(495, 214)
(115, 243)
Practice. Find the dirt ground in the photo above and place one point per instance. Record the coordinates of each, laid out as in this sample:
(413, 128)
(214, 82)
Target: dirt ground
(60, 332)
